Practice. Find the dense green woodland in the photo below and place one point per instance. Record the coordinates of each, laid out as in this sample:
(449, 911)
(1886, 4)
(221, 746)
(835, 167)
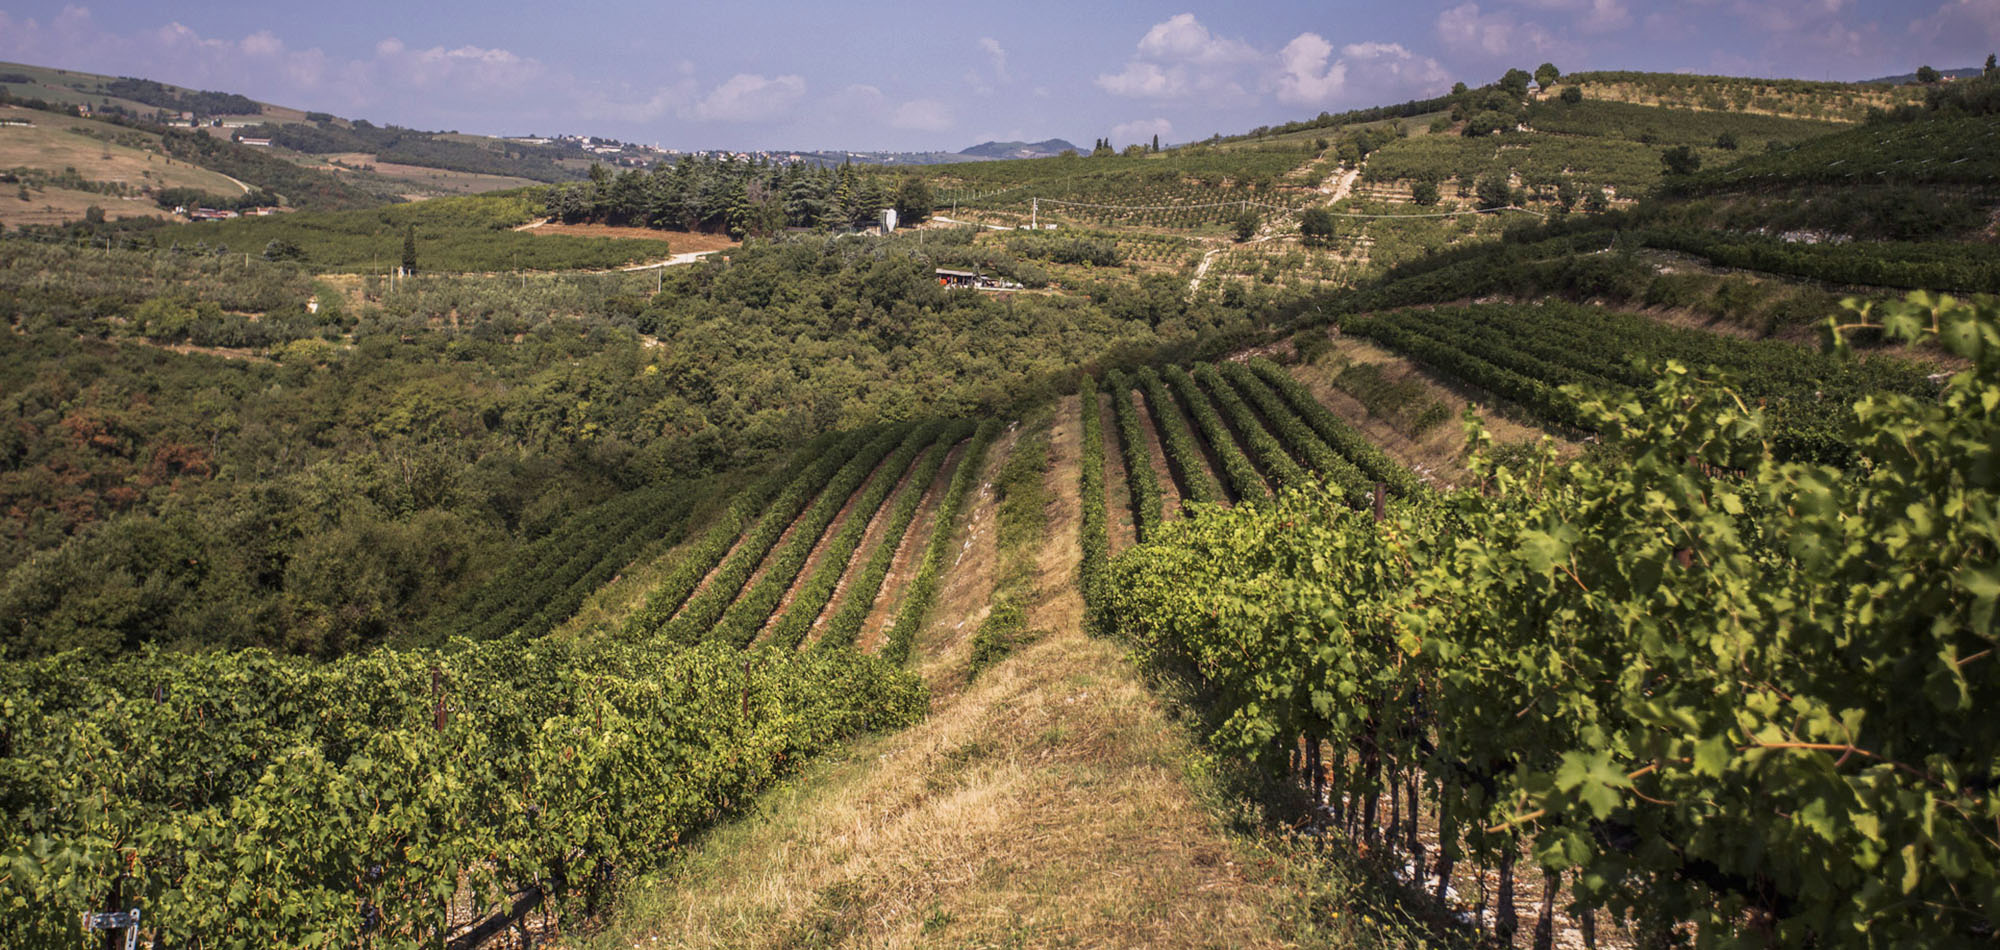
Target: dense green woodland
(351, 491)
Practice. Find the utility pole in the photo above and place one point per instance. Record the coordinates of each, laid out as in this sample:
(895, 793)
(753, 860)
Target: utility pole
(1034, 212)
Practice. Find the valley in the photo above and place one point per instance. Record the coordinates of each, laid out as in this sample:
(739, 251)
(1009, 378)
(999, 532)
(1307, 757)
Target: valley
(1557, 512)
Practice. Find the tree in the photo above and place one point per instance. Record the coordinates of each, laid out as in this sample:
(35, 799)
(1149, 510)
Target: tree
(1566, 194)
(1458, 89)
(913, 200)
(1726, 141)
(1571, 95)
(1546, 75)
(410, 247)
(1992, 65)
(1424, 193)
(1680, 160)
(1156, 141)
(1495, 192)
(1316, 226)
(1597, 202)
(1927, 75)
(1247, 223)
(1488, 123)
(282, 249)
(1515, 83)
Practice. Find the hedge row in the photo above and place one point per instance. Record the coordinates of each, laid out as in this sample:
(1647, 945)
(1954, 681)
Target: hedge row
(1244, 482)
(1190, 469)
(1139, 474)
(812, 598)
(743, 619)
(844, 627)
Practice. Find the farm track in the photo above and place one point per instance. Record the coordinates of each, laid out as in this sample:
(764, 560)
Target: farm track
(871, 538)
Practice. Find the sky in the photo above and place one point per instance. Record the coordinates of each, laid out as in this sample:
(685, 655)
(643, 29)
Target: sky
(945, 75)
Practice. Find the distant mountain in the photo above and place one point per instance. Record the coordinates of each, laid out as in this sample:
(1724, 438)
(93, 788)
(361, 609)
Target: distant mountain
(1048, 149)
(1912, 77)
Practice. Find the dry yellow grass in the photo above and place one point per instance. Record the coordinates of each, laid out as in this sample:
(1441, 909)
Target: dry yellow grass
(51, 145)
(1051, 802)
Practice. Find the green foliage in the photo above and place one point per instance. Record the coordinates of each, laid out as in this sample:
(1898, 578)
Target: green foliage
(1424, 194)
(1928, 75)
(914, 201)
(544, 582)
(1533, 355)
(1246, 224)
(301, 187)
(1184, 457)
(1675, 677)
(810, 598)
(1250, 431)
(473, 233)
(239, 799)
(1143, 481)
(1316, 226)
(1245, 485)
(1515, 82)
(1947, 149)
(1487, 123)
(1375, 464)
(1571, 95)
(1680, 160)
(1546, 75)
(844, 627)
(1094, 534)
(699, 617)
(921, 595)
(1606, 119)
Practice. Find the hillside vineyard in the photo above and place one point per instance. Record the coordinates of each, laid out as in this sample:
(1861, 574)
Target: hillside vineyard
(1556, 512)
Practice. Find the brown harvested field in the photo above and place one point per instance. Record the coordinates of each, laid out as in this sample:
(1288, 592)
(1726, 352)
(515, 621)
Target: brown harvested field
(60, 205)
(56, 142)
(431, 182)
(682, 242)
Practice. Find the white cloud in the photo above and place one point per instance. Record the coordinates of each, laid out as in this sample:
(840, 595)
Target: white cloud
(995, 55)
(924, 115)
(1497, 35)
(1308, 79)
(1141, 131)
(1182, 61)
(1141, 81)
(1968, 28)
(1590, 16)
(1311, 76)
(1181, 38)
(748, 97)
(1179, 58)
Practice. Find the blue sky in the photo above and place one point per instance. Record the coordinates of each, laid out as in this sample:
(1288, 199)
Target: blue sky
(945, 75)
